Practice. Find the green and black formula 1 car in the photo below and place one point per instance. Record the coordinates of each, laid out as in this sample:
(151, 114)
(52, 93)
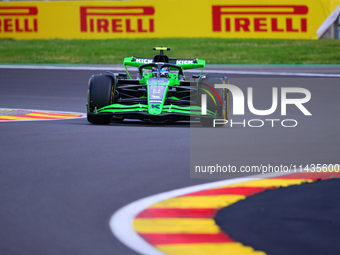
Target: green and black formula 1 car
(160, 93)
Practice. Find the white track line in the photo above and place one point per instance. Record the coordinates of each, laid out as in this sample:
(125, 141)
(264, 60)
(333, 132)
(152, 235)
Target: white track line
(107, 68)
(274, 73)
(46, 67)
(121, 222)
(83, 115)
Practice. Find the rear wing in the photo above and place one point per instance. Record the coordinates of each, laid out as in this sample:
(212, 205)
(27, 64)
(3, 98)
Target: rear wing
(162, 58)
(184, 63)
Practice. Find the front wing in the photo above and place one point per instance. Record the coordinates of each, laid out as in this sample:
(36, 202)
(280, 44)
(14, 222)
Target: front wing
(140, 111)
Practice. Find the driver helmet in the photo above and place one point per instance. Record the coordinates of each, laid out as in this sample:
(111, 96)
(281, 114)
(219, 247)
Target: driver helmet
(165, 71)
(155, 70)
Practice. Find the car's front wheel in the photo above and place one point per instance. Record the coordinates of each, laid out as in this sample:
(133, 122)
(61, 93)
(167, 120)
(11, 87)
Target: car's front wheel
(100, 94)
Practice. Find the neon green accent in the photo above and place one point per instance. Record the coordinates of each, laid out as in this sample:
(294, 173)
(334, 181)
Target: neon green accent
(198, 113)
(210, 95)
(124, 63)
(127, 71)
(190, 110)
(161, 48)
(128, 61)
(145, 78)
(124, 108)
(120, 108)
(202, 70)
(156, 108)
(200, 64)
(187, 108)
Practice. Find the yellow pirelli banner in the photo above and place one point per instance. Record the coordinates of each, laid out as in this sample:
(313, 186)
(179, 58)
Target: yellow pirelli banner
(168, 18)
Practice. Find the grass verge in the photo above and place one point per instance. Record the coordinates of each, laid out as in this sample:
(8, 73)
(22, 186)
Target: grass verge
(214, 51)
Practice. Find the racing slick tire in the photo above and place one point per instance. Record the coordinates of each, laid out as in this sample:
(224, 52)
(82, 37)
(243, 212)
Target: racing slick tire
(100, 94)
(216, 100)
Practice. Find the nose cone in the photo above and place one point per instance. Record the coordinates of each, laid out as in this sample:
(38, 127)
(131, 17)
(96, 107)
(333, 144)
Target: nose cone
(157, 89)
(155, 108)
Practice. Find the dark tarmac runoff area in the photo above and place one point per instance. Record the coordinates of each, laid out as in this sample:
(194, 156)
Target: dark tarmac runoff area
(62, 180)
(300, 219)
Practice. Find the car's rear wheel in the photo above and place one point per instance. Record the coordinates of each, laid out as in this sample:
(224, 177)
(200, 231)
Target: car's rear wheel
(215, 100)
(100, 94)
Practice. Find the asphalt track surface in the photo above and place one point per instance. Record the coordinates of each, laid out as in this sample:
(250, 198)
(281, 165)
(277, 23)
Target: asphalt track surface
(300, 219)
(60, 181)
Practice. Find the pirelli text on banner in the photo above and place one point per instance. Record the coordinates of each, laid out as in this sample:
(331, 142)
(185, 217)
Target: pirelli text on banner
(259, 18)
(18, 19)
(117, 19)
(281, 19)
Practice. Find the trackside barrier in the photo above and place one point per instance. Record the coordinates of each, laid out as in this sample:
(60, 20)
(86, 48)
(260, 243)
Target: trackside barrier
(291, 19)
